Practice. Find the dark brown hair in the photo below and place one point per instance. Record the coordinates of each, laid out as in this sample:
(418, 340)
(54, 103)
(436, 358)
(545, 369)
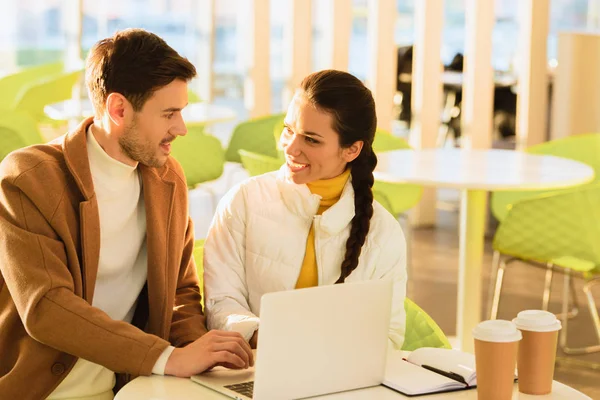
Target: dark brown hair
(134, 63)
(353, 109)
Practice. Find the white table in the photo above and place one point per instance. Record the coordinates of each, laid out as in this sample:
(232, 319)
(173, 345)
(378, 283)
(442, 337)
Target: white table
(474, 172)
(194, 114)
(170, 388)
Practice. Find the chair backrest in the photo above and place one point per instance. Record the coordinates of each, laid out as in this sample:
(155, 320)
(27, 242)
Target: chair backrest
(256, 136)
(11, 85)
(199, 260)
(421, 329)
(34, 97)
(10, 140)
(584, 148)
(22, 124)
(258, 164)
(385, 141)
(17, 130)
(201, 156)
(562, 228)
(395, 197)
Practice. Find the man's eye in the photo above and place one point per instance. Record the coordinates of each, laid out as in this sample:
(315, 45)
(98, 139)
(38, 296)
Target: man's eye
(169, 115)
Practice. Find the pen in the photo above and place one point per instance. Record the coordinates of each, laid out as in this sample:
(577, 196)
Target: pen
(450, 375)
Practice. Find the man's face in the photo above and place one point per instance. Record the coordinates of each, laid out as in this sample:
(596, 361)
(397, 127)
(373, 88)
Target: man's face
(147, 138)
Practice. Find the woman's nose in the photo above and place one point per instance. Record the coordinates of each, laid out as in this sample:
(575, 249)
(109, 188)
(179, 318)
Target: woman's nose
(291, 146)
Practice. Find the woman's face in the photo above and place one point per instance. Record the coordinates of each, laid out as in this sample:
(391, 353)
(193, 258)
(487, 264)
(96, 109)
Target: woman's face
(311, 146)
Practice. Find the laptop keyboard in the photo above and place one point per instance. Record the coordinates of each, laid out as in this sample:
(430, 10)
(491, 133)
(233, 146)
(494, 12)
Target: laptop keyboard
(246, 388)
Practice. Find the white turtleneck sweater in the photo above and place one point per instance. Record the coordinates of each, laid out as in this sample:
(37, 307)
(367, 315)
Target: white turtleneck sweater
(122, 267)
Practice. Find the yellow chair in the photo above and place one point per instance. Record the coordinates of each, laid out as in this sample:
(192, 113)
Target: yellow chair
(17, 130)
(256, 136)
(258, 164)
(421, 329)
(201, 156)
(539, 228)
(35, 96)
(560, 230)
(13, 84)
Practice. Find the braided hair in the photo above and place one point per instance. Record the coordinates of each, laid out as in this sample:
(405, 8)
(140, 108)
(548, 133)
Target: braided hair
(353, 109)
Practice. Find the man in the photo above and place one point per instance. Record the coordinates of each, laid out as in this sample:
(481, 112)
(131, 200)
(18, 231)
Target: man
(96, 268)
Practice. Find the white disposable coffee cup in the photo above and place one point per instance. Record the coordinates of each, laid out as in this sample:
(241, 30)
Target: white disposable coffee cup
(537, 350)
(537, 321)
(496, 344)
(497, 331)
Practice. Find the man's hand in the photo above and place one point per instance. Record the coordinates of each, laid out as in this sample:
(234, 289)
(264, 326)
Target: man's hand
(254, 340)
(228, 349)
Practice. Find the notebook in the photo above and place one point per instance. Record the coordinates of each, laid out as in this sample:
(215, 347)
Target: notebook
(430, 370)
(314, 341)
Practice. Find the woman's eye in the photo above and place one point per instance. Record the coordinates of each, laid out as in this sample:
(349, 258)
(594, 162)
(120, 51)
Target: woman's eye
(311, 140)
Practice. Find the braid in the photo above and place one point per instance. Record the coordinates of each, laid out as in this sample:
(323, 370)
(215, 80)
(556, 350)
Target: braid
(362, 183)
(352, 107)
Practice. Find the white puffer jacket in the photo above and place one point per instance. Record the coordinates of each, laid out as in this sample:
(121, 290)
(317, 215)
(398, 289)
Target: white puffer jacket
(257, 241)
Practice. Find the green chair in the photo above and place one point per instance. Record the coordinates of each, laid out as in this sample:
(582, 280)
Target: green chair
(201, 156)
(193, 97)
(34, 97)
(258, 164)
(17, 130)
(256, 136)
(559, 230)
(584, 148)
(199, 260)
(11, 85)
(421, 329)
(397, 198)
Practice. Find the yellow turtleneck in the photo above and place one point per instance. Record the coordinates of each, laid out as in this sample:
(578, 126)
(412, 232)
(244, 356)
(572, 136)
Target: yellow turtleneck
(330, 191)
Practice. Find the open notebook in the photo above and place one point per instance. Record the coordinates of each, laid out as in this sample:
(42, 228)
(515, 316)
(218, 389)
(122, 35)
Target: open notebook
(430, 370)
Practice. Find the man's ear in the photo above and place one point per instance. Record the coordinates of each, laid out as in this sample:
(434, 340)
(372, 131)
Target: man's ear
(116, 108)
(350, 153)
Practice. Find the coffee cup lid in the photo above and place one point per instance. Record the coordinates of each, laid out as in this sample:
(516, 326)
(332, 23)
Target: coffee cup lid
(497, 330)
(537, 321)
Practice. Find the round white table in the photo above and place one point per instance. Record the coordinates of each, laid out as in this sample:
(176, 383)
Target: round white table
(194, 114)
(170, 388)
(475, 172)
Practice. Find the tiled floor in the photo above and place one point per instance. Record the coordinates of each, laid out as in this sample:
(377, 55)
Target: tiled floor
(432, 285)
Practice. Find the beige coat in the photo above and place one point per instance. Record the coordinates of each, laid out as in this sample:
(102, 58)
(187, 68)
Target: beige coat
(49, 249)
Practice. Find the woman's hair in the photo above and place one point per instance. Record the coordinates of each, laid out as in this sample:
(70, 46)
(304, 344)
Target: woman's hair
(353, 109)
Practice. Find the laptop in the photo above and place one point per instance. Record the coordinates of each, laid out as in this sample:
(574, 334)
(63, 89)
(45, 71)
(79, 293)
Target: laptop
(312, 342)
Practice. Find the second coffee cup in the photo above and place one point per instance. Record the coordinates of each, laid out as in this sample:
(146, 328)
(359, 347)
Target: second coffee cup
(496, 344)
(537, 350)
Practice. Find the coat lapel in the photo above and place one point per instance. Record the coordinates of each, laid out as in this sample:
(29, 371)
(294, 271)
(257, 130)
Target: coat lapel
(76, 158)
(158, 192)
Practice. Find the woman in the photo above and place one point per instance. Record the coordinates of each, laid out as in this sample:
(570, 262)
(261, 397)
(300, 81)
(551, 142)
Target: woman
(313, 222)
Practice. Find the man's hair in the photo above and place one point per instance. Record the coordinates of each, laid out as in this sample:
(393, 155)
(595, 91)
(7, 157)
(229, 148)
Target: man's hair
(134, 63)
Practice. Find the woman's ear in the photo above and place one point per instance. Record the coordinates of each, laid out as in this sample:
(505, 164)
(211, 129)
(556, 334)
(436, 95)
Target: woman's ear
(350, 153)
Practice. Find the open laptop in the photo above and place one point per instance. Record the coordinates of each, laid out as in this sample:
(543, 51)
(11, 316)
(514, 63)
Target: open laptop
(314, 341)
